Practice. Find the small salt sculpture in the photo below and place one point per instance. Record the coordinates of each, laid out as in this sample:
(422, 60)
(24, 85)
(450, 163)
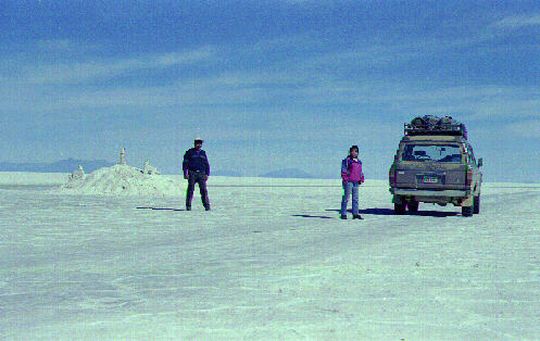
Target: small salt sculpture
(149, 169)
(78, 174)
(122, 156)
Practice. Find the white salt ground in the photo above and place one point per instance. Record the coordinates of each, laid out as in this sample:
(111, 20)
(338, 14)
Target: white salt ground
(267, 263)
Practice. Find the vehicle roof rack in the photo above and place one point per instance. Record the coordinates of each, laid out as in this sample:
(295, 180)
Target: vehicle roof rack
(434, 125)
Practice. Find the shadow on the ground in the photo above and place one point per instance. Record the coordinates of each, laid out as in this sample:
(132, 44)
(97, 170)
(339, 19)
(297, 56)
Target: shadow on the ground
(312, 216)
(389, 211)
(160, 208)
(439, 214)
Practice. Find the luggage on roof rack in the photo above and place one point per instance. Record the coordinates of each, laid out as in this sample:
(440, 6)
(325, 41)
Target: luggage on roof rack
(434, 125)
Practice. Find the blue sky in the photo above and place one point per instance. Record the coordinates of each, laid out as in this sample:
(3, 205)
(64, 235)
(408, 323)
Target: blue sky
(268, 84)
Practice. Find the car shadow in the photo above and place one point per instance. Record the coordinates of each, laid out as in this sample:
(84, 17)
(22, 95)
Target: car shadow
(160, 208)
(438, 214)
(389, 211)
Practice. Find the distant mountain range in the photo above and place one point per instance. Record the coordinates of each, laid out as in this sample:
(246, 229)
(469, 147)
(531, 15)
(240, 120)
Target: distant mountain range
(62, 166)
(280, 173)
(226, 172)
(69, 165)
(288, 173)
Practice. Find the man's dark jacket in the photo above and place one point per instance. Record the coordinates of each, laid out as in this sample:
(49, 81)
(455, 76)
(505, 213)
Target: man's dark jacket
(196, 161)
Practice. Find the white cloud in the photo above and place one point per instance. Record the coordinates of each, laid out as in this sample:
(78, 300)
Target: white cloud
(296, 41)
(64, 47)
(264, 89)
(516, 22)
(178, 58)
(55, 44)
(496, 30)
(528, 129)
(81, 72)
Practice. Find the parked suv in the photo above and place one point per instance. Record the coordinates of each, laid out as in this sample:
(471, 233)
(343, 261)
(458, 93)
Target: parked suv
(435, 164)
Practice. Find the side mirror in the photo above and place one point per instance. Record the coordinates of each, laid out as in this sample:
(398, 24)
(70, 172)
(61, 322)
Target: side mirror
(480, 162)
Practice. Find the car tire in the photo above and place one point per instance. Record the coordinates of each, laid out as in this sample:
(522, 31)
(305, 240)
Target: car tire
(476, 206)
(399, 208)
(467, 211)
(413, 206)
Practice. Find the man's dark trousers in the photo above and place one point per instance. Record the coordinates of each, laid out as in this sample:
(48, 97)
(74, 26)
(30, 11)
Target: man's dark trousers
(200, 178)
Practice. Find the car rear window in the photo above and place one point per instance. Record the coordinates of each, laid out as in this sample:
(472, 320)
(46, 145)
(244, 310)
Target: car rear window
(431, 153)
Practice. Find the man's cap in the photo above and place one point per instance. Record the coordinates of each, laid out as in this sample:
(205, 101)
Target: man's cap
(198, 139)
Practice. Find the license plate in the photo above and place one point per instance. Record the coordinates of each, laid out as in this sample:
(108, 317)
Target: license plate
(431, 179)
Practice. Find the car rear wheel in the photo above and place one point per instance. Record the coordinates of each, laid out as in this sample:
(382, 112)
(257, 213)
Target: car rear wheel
(467, 211)
(413, 206)
(476, 206)
(399, 208)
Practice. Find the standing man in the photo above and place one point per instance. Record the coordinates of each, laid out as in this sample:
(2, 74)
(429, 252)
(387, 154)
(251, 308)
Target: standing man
(352, 176)
(196, 170)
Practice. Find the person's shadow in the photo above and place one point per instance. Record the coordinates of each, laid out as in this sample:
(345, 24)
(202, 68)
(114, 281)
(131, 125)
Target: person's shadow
(389, 211)
(312, 216)
(160, 208)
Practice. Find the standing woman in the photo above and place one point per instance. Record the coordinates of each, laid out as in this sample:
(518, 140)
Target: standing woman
(352, 176)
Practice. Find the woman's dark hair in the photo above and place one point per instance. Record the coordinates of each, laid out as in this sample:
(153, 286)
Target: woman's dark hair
(354, 147)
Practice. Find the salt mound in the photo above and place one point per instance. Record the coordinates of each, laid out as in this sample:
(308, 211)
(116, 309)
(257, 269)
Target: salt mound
(122, 179)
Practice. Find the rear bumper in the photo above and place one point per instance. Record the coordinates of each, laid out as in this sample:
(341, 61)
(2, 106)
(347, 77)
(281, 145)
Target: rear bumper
(452, 193)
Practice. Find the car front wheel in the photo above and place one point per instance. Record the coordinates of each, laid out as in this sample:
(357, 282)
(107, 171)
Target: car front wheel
(476, 206)
(467, 211)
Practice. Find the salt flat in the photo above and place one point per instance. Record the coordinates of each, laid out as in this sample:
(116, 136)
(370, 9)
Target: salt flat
(271, 261)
